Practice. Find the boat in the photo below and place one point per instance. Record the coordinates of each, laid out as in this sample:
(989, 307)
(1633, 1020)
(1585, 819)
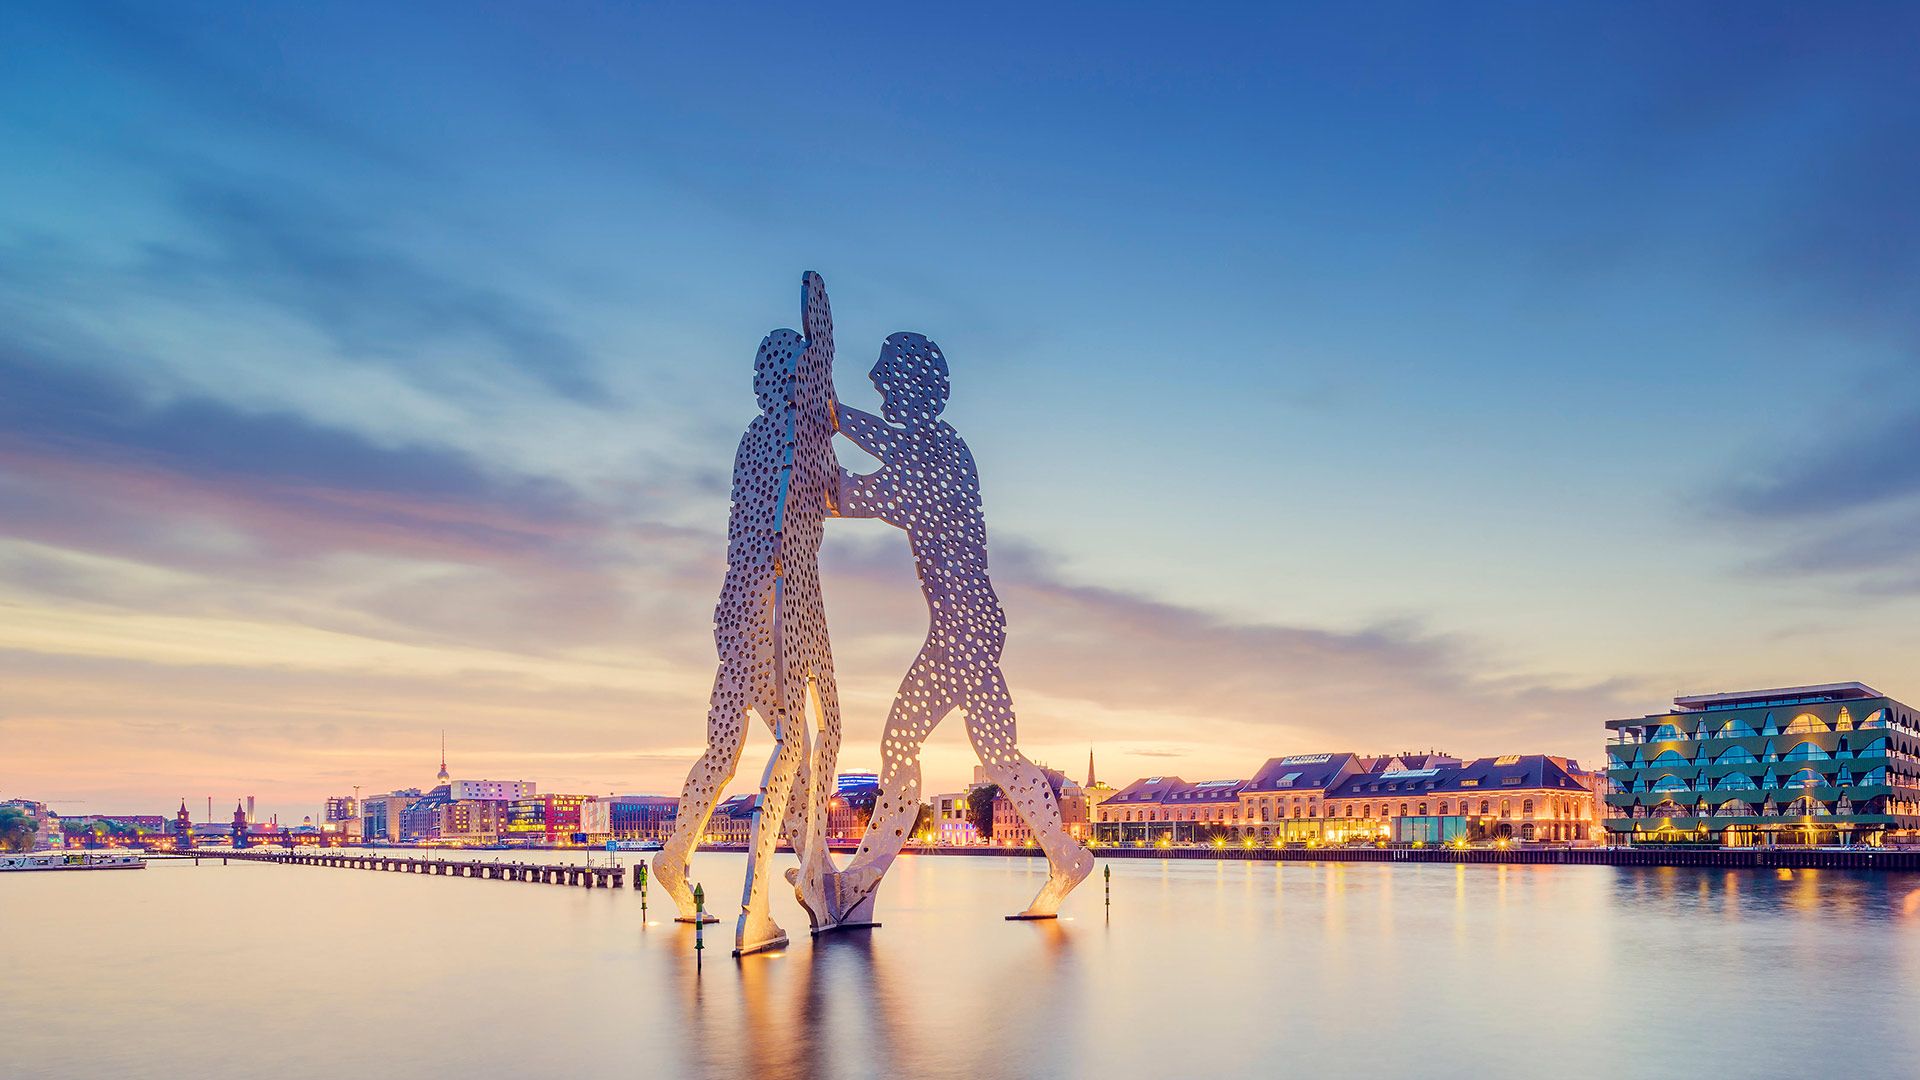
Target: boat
(71, 860)
(637, 845)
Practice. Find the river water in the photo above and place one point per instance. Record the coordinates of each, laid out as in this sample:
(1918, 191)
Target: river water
(1221, 969)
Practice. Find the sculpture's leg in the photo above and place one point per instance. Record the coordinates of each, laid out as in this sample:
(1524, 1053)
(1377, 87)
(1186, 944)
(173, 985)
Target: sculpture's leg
(726, 732)
(813, 879)
(924, 699)
(756, 930)
(991, 728)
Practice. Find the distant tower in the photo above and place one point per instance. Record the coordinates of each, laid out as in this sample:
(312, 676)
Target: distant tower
(239, 825)
(1089, 768)
(250, 813)
(443, 777)
(182, 827)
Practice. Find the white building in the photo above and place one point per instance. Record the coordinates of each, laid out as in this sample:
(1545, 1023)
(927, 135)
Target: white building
(490, 790)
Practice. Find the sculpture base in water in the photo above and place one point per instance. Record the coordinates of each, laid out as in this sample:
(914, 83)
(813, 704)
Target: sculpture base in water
(763, 946)
(846, 926)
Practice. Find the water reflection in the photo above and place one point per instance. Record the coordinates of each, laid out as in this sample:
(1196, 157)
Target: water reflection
(1334, 969)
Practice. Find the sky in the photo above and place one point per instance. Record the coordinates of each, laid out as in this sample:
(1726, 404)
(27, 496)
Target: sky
(1373, 379)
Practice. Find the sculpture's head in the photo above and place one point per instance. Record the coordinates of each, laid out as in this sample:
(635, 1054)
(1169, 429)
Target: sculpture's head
(911, 376)
(775, 368)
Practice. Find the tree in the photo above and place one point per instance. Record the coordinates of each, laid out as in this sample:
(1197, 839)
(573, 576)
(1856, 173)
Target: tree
(16, 829)
(923, 822)
(980, 808)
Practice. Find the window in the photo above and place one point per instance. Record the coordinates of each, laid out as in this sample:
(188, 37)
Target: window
(1670, 757)
(1735, 755)
(1483, 806)
(1423, 809)
(1526, 807)
(1805, 751)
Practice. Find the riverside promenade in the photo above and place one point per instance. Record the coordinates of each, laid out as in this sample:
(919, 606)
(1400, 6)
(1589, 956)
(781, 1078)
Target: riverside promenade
(1861, 858)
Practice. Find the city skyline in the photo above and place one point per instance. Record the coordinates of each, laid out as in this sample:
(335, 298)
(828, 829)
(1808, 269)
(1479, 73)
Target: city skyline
(1498, 384)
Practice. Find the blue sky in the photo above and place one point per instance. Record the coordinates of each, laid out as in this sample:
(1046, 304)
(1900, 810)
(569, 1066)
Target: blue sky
(1413, 376)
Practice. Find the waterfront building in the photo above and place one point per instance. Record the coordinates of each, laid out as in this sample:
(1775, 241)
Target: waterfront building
(471, 821)
(490, 790)
(642, 817)
(1341, 798)
(596, 821)
(544, 819)
(382, 816)
(1011, 830)
(732, 821)
(1527, 797)
(340, 808)
(422, 818)
(182, 828)
(1167, 808)
(1835, 763)
(49, 831)
(848, 811)
(240, 837)
(952, 822)
(1285, 800)
(1095, 790)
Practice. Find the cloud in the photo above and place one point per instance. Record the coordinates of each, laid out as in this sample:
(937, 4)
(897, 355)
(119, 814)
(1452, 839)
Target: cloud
(1840, 500)
(1860, 462)
(273, 243)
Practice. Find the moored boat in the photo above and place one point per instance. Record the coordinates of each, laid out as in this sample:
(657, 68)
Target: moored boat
(71, 860)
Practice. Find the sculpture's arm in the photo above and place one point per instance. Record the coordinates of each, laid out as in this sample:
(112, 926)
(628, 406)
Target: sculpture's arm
(864, 430)
(860, 494)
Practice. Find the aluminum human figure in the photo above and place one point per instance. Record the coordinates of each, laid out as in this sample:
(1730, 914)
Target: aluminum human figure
(770, 630)
(927, 485)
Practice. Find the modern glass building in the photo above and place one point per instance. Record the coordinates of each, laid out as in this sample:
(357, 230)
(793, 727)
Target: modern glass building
(1837, 763)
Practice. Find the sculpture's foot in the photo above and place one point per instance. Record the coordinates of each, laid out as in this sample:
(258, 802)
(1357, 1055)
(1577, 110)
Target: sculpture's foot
(670, 875)
(757, 933)
(853, 891)
(814, 891)
(1060, 882)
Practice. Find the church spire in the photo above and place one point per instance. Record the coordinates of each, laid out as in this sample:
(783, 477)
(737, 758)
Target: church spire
(1089, 768)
